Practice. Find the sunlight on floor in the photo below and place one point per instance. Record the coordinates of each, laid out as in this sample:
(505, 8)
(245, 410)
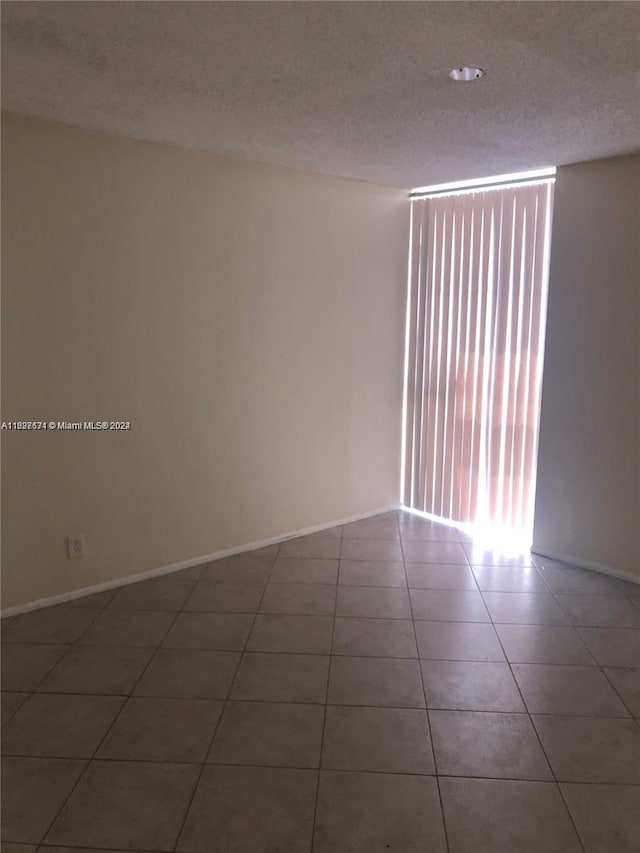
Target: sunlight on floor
(498, 539)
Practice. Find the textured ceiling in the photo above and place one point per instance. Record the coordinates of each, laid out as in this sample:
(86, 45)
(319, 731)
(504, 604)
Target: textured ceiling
(356, 89)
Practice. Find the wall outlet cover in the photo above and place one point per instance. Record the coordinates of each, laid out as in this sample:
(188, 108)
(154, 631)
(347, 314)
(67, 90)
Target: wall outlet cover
(75, 546)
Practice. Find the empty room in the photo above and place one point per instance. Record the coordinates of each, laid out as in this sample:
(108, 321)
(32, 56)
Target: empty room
(320, 427)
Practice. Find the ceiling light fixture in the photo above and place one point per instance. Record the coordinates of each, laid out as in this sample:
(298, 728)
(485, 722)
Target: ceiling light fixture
(466, 74)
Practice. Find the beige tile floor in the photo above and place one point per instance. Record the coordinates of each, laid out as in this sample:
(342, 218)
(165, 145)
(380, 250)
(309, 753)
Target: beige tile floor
(380, 686)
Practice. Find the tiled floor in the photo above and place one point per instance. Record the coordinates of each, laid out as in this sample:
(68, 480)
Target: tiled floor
(382, 686)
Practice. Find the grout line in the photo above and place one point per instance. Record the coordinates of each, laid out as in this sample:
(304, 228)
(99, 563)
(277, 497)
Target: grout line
(205, 762)
(326, 700)
(617, 692)
(537, 734)
(68, 846)
(350, 616)
(426, 707)
(99, 611)
(332, 704)
(558, 600)
(17, 708)
(636, 604)
(358, 771)
(90, 760)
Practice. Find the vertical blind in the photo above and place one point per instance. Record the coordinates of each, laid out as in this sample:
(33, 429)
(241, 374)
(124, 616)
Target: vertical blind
(475, 335)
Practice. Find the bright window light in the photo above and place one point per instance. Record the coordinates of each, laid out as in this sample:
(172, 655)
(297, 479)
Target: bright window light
(406, 362)
(512, 178)
(496, 538)
(476, 312)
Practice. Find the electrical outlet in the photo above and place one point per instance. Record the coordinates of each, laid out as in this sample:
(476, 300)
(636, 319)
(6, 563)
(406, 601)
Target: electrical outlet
(75, 546)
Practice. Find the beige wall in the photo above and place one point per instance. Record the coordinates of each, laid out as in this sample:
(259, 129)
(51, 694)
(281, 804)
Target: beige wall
(588, 493)
(247, 320)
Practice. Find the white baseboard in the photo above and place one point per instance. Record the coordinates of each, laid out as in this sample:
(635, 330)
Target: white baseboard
(184, 564)
(587, 564)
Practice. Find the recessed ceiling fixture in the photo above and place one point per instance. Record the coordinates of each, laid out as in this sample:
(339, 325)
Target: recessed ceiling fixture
(466, 74)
